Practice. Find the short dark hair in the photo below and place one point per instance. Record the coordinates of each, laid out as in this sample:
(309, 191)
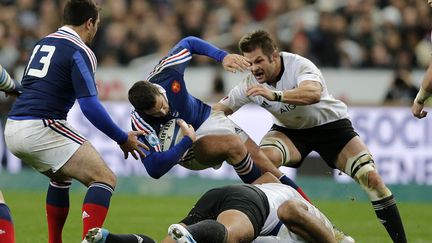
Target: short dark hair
(77, 12)
(257, 39)
(142, 95)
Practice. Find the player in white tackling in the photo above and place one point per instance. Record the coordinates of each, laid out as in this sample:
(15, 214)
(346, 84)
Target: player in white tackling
(307, 118)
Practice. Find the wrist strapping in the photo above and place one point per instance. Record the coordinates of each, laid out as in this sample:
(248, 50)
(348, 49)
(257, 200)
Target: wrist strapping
(422, 96)
(278, 95)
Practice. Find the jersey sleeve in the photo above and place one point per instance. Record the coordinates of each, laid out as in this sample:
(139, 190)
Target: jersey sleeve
(199, 46)
(82, 75)
(237, 97)
(308, 71)
(180, 55)
(156, 162)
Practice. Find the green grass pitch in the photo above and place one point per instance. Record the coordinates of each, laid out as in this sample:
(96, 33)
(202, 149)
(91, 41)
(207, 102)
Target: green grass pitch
(152, 216)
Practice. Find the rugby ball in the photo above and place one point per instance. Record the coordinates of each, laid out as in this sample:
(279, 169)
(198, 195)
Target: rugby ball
(170, 134)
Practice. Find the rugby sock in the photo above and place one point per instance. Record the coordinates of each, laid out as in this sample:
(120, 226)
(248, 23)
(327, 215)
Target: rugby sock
(388, 214)
(247, 170)
(95, 206)
(6, 225)
(209, 231)
(287, 181)
(57, 209)
(128, 238)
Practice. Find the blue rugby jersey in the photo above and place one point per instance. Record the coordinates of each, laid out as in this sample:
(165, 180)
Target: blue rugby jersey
(60, 70)
(168, 74)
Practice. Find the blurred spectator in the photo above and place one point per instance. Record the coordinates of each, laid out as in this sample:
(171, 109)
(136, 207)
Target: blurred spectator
(352, 33)
(402, 91)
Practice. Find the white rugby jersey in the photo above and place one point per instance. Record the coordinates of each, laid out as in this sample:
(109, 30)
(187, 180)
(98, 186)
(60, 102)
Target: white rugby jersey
(297, 70)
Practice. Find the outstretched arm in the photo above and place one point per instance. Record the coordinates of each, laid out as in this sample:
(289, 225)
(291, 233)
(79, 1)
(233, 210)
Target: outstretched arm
(230, 62)
(424, 93)
(97, 115)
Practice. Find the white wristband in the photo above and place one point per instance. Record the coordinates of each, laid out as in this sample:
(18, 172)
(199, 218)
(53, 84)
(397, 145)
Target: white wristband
(278, 95)
(422, 96)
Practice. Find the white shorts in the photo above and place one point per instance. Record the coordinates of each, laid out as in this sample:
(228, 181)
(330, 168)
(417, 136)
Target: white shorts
(216, 124)
(43, 144)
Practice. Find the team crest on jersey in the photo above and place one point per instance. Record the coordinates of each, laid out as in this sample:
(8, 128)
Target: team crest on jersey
(175, 87)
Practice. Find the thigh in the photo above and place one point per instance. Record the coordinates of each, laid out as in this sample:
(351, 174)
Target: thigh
(87, 166)
(43, 144)
(215, 149)
(280, 149)
(354, 147)
(238, 225)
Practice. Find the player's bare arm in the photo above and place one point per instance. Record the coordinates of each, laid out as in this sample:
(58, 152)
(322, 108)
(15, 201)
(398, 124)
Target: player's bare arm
(308, 92)
(424, 93)
(235, 62)
(221, 107)
(133, 145)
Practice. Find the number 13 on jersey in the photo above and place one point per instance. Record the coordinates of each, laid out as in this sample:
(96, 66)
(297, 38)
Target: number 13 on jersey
(40, 61)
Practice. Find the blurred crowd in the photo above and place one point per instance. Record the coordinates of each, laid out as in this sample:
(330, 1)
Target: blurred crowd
(332, 33)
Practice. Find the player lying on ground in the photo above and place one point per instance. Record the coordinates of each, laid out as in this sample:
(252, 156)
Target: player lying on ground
(243, 213)
(165, 96)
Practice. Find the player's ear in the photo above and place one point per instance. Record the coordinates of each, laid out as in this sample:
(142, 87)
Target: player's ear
(90, 23)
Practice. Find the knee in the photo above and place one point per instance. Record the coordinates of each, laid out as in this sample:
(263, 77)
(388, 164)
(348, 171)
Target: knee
(105, 176)
(234, 148)
(291, 213)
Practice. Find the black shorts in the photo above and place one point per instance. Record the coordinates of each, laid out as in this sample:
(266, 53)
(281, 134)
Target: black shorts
(327, 140)
(245, 198)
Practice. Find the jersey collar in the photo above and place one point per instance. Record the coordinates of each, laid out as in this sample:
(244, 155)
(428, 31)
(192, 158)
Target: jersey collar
(70, 31)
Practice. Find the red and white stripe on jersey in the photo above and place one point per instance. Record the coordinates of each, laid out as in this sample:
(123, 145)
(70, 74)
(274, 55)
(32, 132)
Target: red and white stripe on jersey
(64, 130)
(140, 125)
(65, 33)
(180, 57)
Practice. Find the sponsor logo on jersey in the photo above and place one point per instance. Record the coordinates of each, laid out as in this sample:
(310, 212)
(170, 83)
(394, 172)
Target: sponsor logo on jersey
(2, 232)
(287, 108)
(264, 104)
(175, 87)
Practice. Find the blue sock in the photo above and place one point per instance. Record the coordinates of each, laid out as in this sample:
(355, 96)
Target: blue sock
(247, 170)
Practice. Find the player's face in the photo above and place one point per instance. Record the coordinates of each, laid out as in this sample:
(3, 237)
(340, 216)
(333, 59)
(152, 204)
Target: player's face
(160, 109)
(263, 67)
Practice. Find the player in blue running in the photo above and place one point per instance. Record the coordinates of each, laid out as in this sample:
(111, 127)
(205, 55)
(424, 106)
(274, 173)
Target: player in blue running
(60, 71)
(164, 96)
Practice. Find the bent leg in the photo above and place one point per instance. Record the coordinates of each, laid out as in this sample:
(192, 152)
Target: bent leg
(214, 149)
(87, 166)
(356, 161)
(238, 225)
(298, 219)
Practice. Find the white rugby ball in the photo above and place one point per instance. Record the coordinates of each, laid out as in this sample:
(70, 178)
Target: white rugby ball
(170, 134)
